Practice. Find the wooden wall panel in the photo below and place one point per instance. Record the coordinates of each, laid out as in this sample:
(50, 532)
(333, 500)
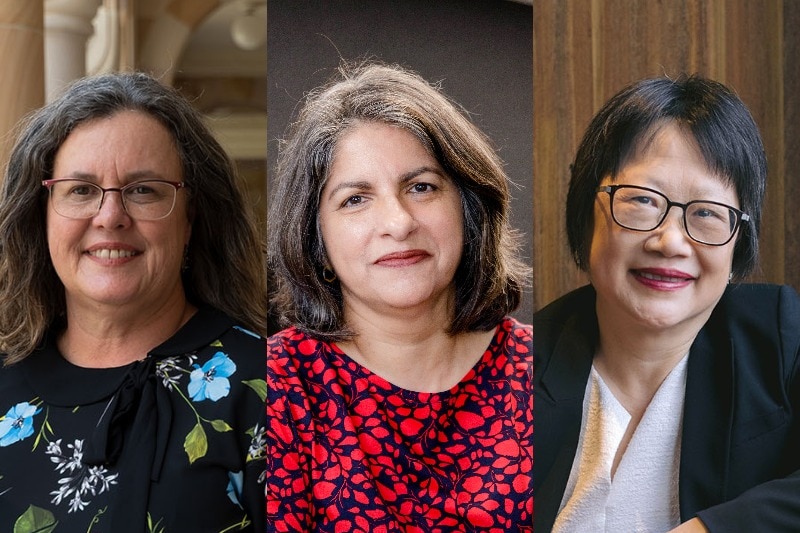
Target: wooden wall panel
(585, 51)
(562, 99)
(791, 142)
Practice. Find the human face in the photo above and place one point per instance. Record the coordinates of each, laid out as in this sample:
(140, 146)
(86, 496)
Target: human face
(112, 259)
(391, 221)
(661, 278)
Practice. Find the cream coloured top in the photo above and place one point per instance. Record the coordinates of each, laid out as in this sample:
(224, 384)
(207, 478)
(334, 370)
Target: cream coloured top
(642, 496)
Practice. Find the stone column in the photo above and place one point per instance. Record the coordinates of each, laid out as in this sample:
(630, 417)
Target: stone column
(163, 44)
(68, 25)
(22, 68)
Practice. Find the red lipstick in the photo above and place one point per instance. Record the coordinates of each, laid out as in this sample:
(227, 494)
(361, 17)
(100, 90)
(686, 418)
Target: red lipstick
(402, 258)
(663, 279)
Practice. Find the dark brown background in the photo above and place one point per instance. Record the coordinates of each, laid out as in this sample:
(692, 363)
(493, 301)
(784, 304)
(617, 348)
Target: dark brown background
(586, 50)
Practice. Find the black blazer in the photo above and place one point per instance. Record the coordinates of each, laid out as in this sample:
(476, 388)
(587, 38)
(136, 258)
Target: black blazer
(740, 450)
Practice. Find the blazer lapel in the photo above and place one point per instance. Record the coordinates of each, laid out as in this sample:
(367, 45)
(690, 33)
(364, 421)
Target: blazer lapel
(707, 416)
(558, 409)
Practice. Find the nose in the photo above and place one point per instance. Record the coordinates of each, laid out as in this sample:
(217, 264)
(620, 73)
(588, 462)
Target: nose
(112, 213)
(396, 219)
(670, 238)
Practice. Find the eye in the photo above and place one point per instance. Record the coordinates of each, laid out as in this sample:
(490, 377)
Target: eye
(642, 200)
(422, 187)
(141, 189)
(711, 211)
(81, 190)
(354, 200)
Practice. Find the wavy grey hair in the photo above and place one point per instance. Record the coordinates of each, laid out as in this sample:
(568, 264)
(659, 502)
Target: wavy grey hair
(225, 256)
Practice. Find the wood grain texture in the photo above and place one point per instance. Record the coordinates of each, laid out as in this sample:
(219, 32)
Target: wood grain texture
(790, 151)
(586, 51)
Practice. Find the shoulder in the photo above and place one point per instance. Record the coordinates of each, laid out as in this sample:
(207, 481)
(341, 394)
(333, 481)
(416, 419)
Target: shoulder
(515, 340)
(292, 341)
(219, 336)
(517, 331)
(563, 309)
(292, 353)
(210, 327)
(758, 319)
(573, 312)
(753, 303)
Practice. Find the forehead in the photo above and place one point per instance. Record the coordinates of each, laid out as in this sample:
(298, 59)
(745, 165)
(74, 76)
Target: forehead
(661, 135)
(122, 147)
(127, 128)
(668, 156)
(376, 146)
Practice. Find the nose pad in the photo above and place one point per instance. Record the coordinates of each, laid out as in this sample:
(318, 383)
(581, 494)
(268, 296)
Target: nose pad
(111, 208)
(677, 221)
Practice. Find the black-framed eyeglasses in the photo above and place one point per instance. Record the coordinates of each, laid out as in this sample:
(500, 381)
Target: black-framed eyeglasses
(142, 200)
(643, 209)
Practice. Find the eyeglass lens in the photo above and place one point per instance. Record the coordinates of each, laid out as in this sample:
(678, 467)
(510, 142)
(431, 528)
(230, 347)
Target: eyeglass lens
(645, 210)
(143, 200)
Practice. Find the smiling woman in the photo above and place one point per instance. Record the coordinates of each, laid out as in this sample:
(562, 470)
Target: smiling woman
(399, 395)
(391, 222)
(666, 372)
(131, 288)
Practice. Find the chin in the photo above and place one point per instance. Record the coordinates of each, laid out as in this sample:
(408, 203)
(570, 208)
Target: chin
(661, 318)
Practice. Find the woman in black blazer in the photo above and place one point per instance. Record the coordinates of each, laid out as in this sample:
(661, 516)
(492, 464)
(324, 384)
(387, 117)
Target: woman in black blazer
(666, 392)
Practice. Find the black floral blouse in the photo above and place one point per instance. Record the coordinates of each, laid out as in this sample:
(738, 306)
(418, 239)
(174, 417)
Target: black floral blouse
(171, 444)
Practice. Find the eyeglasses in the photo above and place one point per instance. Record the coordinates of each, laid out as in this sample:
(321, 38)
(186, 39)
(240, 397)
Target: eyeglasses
(642, 209)
(142, 200)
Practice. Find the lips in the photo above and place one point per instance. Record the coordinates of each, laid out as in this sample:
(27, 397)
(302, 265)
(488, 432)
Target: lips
(112, 251)
(402, 258)
(662, 278)
(106, 253)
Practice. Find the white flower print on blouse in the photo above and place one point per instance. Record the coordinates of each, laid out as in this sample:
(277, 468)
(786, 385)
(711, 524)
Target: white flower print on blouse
(82, 480)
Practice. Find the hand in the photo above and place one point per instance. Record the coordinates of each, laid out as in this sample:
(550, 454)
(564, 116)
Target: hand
(691, 526)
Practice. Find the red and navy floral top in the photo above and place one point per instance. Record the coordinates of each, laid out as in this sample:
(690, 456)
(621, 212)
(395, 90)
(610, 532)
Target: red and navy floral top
(349, 451)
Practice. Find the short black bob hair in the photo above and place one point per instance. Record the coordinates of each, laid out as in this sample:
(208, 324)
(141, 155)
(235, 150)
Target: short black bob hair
(705, 110)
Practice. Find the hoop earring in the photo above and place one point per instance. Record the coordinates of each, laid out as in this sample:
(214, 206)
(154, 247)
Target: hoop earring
(328, 275)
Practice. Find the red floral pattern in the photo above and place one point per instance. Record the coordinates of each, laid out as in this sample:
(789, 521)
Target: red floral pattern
(348, 451)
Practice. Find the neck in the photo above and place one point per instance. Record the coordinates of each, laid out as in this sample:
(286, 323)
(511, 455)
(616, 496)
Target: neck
(634, 362)
(413, 352)
(112, 336)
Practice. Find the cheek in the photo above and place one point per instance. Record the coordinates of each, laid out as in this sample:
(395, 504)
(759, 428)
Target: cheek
(333, 234)
(599, 242)
(449, 221)
(62, 234)
(721, 262)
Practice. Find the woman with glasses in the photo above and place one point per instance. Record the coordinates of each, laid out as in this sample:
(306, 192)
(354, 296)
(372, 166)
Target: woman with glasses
(132, 300)
(667, 391)
(399, 394)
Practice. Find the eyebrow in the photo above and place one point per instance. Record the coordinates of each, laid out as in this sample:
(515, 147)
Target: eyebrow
(404, 178)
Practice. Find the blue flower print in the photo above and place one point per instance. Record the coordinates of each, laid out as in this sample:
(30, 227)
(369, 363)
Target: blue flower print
(236, 480)
(252, 334)
(17, 424)
(210, 382)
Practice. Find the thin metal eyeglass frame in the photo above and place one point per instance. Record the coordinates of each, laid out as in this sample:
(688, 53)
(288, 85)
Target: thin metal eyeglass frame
(175, 184)
(741, 216)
